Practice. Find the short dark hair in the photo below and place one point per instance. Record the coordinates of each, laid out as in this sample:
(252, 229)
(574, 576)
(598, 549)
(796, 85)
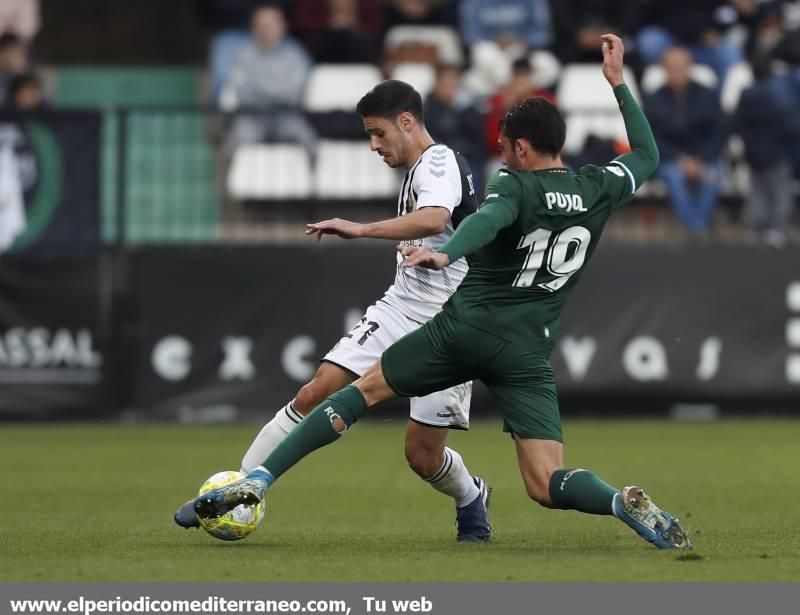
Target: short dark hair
(9, 40)
(521, 65)
(389, 99)
(538, 121)
(274, 5)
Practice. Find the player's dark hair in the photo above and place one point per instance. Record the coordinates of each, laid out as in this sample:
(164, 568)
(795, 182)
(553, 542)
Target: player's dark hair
(389, 99)
(539, 122)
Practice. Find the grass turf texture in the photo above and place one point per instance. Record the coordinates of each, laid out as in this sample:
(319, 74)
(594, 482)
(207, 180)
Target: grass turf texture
(95, 503)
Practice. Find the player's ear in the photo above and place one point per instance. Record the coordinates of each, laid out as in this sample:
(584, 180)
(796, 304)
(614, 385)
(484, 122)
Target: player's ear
(406, 121)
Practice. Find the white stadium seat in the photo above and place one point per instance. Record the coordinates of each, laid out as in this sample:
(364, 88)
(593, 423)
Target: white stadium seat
(270, 172)
(491, 68)
(349, 169)
(739, 77)
(419, 75)
(445, 39)
(546, 68)
(584, 88)
(582, 124)
(339, 87)
(655, 77)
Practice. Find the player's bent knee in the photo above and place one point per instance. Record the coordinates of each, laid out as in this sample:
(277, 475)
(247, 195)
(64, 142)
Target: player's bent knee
(424, 462)
(309, 397)
(538, 489)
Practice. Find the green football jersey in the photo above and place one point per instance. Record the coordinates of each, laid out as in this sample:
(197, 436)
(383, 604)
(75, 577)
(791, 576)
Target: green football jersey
(535, 233)
(518, 283)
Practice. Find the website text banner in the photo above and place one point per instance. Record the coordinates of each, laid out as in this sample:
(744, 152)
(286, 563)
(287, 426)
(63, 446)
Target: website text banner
(394, 599)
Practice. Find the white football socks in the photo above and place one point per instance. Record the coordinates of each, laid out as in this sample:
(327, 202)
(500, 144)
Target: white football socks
(454, 480)
(270, 436)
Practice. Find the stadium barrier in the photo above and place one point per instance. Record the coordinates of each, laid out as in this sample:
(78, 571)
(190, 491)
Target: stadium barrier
(228, 332)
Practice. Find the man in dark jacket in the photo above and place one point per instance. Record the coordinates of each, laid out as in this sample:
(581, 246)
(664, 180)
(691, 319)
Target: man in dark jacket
(689, 127)
(766, 120)
(697, 25)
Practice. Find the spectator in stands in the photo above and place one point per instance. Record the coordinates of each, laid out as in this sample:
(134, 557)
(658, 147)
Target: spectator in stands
(767, 122)
(689, 128)
(696, 25)
(420, 13)
(516, 25)
(452, 119)
(522, 85)
(267, 82)
(13, 61)
(339, 31)
(21, 18)
(25, 93)
(763, 21)
(229, 20)
(580, 23)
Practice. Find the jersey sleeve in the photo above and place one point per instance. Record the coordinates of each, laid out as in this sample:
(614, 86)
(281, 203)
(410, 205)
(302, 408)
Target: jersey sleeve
(504, 190)
(437, 180)
(625, 174)
(499, 210)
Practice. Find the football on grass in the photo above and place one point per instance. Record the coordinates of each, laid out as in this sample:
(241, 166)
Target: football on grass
(237, 523)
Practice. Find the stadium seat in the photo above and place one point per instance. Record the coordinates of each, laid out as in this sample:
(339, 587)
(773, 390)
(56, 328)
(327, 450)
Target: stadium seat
(420, 76)
(546, 68)
(654, 77)
(445, 39)
(584, 88)
(333, 87)
(270, 172)
(349, 169)
(582, 124)
(491, 68)
(739, 77)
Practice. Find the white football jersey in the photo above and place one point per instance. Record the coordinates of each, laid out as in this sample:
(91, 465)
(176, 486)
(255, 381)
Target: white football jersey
(439, 178)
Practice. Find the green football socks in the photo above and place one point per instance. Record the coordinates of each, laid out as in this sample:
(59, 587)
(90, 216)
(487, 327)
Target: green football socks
(323, 425)
(581, 490)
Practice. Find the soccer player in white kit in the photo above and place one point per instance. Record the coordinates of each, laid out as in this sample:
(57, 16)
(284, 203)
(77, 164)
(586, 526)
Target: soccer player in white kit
(436, 194)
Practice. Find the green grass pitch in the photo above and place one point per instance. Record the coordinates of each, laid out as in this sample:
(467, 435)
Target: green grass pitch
(95, 503)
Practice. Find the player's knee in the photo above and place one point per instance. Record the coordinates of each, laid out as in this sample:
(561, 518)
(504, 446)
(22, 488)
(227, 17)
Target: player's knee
(423, 461)
(538, 489)
(309, 397)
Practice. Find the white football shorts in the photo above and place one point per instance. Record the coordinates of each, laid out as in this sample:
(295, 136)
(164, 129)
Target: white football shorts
(382, 326)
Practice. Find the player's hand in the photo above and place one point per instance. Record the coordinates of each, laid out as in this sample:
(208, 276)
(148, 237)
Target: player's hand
(613, 52)
(422, 257)
(341, 228)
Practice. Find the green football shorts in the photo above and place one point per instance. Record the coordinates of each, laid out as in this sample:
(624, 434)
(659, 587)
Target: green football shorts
(446, 352)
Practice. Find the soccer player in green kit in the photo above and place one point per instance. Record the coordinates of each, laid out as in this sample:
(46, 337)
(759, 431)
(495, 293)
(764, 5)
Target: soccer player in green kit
(527, 247)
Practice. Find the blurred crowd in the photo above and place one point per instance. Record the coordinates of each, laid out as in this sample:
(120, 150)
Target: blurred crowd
(261, 55)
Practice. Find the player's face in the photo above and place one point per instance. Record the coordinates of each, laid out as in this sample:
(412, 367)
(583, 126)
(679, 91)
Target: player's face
(386, 138)
(508, 154)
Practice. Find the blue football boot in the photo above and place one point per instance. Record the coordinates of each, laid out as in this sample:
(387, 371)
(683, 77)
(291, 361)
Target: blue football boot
(473, 519)
(186, 517)
(249, 491)
(634, 507)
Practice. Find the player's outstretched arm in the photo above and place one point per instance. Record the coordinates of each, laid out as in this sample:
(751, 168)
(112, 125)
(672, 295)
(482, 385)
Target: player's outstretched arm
(473, 233)
(416, 225)
(643, 160)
